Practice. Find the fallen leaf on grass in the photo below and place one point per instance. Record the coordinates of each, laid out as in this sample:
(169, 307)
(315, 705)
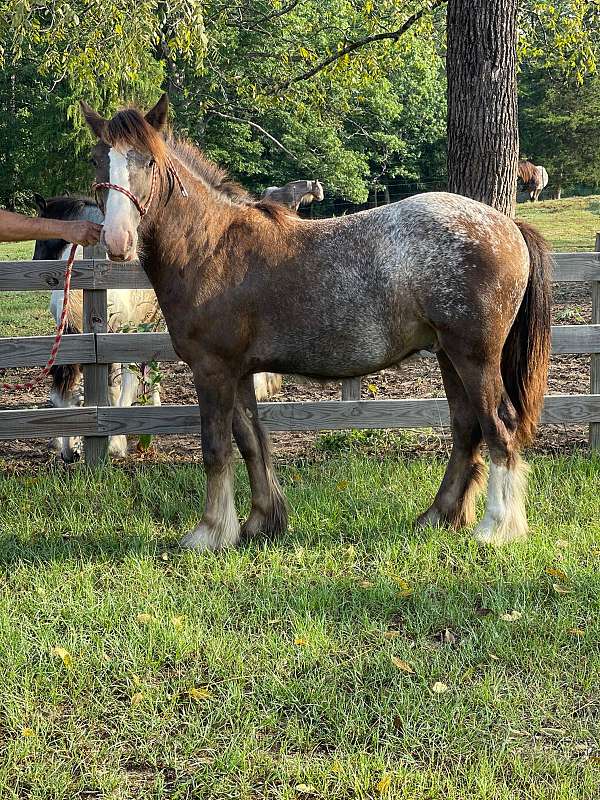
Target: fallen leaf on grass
(177, 622)
(511, 616)
(366, 584)
(300, 641)
(480, 609)
(405, 589)
(136, 699)
(305, 788)
(556, 573)
(199, 694)
(391, 634)
(145, 619)
(27, 733)
(576, 631)
(341, 485)
(384, 783)
(561, 589)
(562, 543)
(445, 636)
(439, 687)
(404, 666)
(64, 656)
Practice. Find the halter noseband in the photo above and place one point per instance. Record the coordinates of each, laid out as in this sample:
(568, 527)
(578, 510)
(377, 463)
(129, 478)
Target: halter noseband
(143, 209)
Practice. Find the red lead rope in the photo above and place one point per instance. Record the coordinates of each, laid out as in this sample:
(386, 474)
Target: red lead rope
(26, 387)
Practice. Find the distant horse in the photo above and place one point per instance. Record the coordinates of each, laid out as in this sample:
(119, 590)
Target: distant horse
(535, 179)
(245, 285)
(295, 194)
(126, 307)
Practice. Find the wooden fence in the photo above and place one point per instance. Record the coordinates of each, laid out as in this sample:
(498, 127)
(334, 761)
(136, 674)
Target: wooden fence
(95, 349)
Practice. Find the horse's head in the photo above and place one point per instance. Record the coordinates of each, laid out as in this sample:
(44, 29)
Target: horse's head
(317, 190)
(130, 154)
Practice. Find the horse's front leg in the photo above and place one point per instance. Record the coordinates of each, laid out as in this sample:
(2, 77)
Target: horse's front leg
(219, 527)
(268, 513)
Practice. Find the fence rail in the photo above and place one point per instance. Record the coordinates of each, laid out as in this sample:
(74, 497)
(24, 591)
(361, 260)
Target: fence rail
(95, 349)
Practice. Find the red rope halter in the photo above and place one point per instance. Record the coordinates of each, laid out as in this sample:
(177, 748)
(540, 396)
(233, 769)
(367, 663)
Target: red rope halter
(143, 209)
(27, 387)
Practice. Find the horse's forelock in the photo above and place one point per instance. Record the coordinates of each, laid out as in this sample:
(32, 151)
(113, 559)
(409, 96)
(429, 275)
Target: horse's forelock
(129, 127)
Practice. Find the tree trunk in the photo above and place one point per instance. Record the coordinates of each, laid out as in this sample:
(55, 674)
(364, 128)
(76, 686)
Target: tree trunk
(483, 133)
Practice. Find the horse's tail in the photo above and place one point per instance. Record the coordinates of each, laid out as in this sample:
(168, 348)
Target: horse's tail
(527, 349)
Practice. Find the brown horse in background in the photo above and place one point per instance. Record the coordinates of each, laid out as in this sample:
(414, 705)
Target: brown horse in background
(246, 286)
(535, 179)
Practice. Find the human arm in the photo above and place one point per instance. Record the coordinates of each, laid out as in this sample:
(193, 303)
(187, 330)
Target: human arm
(20, 228)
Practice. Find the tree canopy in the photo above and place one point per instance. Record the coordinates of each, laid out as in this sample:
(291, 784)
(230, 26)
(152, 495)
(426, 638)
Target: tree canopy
(349, 91)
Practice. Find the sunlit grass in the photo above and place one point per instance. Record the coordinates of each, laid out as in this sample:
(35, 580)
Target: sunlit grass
(290, 643)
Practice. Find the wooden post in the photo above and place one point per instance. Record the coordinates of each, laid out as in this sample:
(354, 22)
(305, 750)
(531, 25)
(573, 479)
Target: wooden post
(595, 362)
(95, 376)
(351, 389)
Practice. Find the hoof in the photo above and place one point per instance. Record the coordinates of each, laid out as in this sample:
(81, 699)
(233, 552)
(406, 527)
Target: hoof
(205, 538)
(499, 534)
(430, 519)
(200, 539)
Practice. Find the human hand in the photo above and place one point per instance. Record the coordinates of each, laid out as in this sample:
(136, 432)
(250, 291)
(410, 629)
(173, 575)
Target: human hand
(81, 232)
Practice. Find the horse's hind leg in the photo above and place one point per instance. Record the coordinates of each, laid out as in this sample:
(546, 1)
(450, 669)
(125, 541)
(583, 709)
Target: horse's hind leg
(219, 526)
(505, 519)
(268, 513)
(454, 503)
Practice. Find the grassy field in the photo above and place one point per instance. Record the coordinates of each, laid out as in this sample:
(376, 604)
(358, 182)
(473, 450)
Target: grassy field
(353, 658)
(569, 225)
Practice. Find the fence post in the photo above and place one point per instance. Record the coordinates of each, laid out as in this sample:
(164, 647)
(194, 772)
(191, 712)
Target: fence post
(351, 389)
(595, 362)
(95, 376)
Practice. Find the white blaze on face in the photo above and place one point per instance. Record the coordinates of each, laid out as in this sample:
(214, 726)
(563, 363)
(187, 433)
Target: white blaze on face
(121, 217)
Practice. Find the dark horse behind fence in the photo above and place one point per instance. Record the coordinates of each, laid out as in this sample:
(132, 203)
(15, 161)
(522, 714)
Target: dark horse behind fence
(246, 286)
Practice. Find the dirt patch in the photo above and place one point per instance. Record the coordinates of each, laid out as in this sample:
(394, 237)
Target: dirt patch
(569, 374)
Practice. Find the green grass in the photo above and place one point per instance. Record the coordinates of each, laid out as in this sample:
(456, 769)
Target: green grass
(292, 641)
(23, 313)
(570, 225)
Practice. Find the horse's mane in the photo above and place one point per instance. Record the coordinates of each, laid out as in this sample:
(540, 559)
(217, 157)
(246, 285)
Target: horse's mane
(526, 171)
(130, 127)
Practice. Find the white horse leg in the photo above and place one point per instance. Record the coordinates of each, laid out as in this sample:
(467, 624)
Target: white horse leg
(69, 447)
(505, 519)
(126, 398)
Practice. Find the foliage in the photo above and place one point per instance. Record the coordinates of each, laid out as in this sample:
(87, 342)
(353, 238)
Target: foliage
(351, 92)
(560, 126)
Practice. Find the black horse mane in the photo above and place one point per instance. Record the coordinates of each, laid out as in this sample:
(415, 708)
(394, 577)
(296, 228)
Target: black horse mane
(66, 206)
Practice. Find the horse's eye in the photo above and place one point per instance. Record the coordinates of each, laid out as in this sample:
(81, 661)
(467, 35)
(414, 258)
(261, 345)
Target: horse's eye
(150, 163)
(93, 162)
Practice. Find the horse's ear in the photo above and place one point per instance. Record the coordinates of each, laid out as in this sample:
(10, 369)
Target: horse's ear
(40, 202)
(96, 123)
(157, 116)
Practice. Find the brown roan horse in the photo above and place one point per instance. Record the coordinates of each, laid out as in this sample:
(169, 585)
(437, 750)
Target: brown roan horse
(246, 286)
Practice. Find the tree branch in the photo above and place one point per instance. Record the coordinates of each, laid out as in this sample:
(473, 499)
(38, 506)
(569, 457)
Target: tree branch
(350, 48)
(258, 128)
